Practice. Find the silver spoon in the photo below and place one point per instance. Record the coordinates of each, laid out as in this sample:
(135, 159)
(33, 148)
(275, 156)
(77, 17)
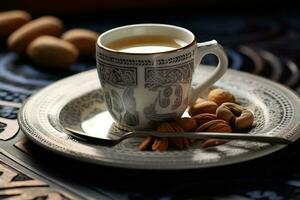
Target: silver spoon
(109, 141)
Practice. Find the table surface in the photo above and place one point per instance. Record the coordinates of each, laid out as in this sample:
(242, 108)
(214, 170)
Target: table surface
(265, 45)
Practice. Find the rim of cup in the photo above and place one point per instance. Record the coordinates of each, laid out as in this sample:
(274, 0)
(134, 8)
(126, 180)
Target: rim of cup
(139, 30)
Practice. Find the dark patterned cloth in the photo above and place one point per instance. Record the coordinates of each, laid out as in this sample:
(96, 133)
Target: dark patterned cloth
(267, 46)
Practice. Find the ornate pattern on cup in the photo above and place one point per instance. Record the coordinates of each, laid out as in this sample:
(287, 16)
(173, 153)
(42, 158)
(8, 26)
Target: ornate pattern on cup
(139, 94)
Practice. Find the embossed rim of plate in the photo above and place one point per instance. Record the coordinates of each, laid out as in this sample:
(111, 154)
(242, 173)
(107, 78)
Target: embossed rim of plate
(49, 125)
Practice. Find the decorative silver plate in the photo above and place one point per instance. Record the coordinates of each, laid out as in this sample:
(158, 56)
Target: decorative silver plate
(78, 101)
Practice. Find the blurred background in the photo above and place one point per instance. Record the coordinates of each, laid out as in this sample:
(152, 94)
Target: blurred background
(96, 6)
(260, 37)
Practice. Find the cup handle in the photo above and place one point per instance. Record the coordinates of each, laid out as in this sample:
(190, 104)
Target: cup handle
(210, 47)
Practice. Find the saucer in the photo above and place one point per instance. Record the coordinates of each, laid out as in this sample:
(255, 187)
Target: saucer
(78, 102)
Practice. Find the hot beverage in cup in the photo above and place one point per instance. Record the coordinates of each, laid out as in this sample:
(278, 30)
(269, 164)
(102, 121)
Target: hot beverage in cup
(146, 44)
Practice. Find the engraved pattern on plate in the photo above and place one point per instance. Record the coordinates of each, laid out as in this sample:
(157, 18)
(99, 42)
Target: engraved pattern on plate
(283, 107)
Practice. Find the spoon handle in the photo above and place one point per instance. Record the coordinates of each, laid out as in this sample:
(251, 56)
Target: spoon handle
(215, 135)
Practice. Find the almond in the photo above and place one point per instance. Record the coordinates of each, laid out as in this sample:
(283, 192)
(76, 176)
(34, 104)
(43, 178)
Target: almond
(203, 118)
(199, 100)
(51, 52)
(212, 142)
(83, 39)
(160, 144)
(215, 126)
(203, 107)
(165, 127)
(179, 143)
(188, 124)
(48, 25)
(12, 20)
(146, 143)
(220, 96)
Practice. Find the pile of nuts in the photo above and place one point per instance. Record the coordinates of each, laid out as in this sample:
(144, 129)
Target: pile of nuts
(219, 113)
(42, 41)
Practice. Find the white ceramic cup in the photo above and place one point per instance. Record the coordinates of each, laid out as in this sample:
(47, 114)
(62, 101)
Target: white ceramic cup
(142, 89)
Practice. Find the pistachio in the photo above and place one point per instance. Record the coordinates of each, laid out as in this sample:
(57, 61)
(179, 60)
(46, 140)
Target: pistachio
(245, 120)
(238, 116)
